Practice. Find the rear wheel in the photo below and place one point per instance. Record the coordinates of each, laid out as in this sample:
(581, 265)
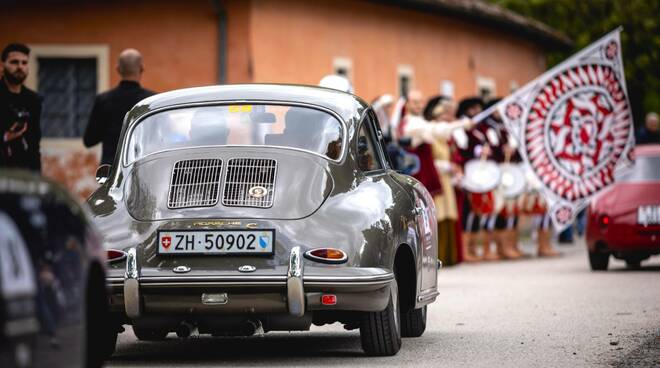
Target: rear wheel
(413, 322)
(149, 334)
(380, 332)
(599, 260)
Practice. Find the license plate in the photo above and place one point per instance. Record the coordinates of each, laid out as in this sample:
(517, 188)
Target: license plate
(216, 242)
(648, 215)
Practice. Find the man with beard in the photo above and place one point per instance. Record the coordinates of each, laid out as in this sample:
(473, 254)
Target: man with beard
(107, 115)
(20, 112)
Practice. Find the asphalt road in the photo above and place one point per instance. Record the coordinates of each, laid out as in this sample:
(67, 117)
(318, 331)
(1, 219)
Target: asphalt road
(534, 312)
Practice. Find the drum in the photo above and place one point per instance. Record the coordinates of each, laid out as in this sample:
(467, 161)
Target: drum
(513, 181)
(481, 180)
(512, 186)
(481, 176)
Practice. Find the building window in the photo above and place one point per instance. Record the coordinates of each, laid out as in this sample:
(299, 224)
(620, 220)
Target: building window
(486, 88)
(343, 66)
(405, 79)
(68, 87)
(447, 88)
(68, 77)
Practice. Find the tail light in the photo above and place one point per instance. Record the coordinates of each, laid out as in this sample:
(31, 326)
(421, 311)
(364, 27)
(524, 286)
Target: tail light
(327, 255)
(115, 255)
(604, 221)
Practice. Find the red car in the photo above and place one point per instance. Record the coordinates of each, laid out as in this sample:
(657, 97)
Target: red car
(624, 220)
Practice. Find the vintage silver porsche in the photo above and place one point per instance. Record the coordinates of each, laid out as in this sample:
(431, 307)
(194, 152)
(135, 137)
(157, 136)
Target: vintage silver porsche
(241, 209)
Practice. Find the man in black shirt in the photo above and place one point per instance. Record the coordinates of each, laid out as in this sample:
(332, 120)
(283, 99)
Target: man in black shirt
(107, 117)
(20, 112)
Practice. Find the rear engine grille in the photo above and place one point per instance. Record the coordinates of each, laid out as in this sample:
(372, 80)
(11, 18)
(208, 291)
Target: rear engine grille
(250, 182)
(195, 183)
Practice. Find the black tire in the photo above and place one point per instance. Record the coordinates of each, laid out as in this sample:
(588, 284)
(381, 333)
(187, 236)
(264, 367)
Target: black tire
(109, 344)
(634, 263)
(380, 332)
(599, 261)
(149, 334)
(413, 322)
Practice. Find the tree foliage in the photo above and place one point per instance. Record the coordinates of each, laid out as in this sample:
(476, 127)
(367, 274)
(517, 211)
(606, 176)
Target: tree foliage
(586, 21)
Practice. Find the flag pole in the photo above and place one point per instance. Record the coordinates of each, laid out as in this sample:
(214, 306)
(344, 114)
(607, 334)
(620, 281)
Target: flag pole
(484, 114)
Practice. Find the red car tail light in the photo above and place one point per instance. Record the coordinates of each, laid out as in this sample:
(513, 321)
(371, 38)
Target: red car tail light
(327, 255)
(115, 255)
(604, 221)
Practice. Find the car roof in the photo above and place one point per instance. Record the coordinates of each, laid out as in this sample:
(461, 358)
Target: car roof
(647, 150)
(346, 105)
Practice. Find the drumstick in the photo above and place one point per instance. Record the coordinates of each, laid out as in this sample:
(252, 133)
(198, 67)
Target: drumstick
(507, 156)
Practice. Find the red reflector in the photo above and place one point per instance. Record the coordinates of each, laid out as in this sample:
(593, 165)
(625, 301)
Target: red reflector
(328, 299)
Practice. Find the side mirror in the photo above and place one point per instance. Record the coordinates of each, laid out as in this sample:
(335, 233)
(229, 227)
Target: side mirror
(102, 173)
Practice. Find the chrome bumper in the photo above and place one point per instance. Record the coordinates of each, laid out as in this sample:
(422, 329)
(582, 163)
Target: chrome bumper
(294, 293)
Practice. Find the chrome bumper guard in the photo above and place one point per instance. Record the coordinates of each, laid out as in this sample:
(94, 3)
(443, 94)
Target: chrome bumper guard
(132, 285)
(295, 290)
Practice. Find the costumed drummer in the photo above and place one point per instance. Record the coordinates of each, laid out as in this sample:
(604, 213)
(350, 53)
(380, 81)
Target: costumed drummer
(465, 143)
(503, 223)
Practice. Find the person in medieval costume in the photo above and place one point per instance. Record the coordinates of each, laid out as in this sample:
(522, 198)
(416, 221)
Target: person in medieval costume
(425, 136)
(440, 110)
(465, 145)
(401, 160)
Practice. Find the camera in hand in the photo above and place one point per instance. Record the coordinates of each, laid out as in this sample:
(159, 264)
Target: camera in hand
(21, 117)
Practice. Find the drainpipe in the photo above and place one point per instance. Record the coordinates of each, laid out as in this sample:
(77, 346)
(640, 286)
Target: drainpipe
(221, 13)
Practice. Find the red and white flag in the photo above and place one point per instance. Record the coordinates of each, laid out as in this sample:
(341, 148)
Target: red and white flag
(574, 126)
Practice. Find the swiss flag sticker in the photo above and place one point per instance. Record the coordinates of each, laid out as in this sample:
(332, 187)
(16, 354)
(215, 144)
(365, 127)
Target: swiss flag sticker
(166, 241)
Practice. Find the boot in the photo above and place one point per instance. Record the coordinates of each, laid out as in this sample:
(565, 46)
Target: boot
(545, 248)
(499, 242)
(508, 245)
(488, 238)
(515, 246)
(468, 254)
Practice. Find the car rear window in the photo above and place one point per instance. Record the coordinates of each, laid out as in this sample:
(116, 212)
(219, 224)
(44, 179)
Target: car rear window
(646, 168)
(289, 126)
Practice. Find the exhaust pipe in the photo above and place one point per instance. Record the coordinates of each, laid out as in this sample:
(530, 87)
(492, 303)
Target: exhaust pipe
(251, 327)
(184, 330)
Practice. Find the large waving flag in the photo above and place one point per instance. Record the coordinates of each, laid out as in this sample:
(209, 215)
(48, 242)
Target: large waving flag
(574, 126)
